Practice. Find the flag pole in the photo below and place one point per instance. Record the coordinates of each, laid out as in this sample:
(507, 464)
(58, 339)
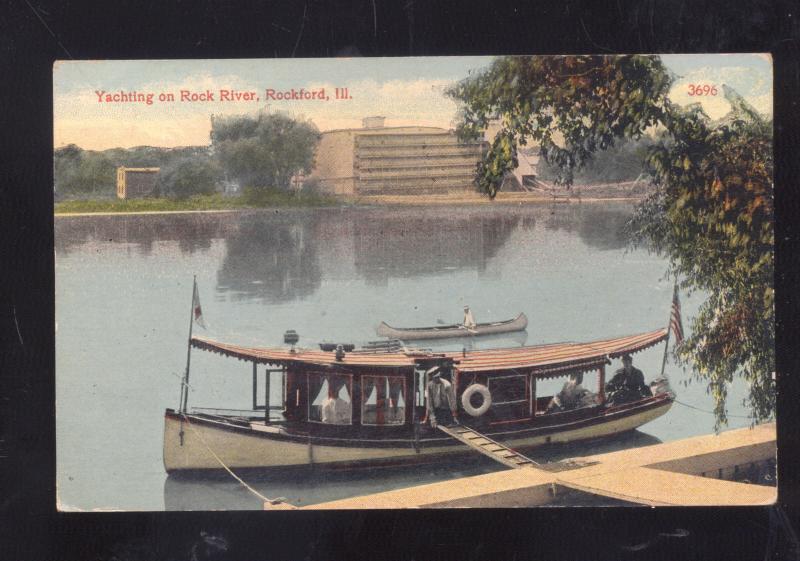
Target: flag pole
(669, 329)
(185, 384)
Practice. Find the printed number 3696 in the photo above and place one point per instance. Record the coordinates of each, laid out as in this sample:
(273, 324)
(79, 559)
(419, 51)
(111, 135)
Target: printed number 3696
(702, 89)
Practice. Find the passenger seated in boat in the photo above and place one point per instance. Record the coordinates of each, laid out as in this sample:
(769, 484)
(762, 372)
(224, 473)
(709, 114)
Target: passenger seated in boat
(572, 395)
(469, 320)
(627, 384)
(396, 411)
(440, 399)
(335, 410)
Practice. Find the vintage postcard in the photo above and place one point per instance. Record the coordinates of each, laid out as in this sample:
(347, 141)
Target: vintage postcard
(429, 282)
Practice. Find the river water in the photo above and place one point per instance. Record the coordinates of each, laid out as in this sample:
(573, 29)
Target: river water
(123, 295)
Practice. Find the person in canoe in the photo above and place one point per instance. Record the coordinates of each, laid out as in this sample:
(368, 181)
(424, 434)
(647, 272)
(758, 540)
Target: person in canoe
(440, 399)
(469, 320)
(627, 384)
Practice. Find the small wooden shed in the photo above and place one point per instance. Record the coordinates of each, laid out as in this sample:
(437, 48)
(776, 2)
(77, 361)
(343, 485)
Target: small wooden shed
(135, 183)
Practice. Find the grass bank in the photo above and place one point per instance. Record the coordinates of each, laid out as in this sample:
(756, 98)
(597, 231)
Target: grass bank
(265, 199)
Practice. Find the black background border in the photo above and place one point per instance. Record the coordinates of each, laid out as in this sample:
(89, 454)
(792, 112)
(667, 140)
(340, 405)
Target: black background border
(35, 34)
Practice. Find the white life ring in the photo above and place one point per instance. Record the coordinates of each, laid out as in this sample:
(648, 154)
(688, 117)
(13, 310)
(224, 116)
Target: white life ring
(466, 400)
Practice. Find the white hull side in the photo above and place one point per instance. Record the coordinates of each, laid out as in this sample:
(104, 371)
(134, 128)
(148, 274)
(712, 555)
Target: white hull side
(240, 450)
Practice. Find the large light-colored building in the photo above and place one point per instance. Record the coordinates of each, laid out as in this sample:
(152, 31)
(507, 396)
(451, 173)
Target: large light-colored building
(376, 160)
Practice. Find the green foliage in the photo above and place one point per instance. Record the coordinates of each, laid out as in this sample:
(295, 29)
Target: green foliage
(152, 204)
(270, 197)
(713, 217)
(711, 213)
(264, 150)
(625, 161)
(253, 198)
(571, 106)
(312, 186)
(186, 178)
(79, 172)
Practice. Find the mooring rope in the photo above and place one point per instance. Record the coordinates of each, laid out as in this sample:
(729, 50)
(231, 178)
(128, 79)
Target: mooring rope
(236, 477)
(710, 412)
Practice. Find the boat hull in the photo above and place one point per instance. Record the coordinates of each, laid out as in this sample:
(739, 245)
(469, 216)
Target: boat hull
(519, 323)
(196, 443)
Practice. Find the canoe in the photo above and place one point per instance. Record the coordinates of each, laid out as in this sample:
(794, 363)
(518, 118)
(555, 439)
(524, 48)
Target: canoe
(519, 323)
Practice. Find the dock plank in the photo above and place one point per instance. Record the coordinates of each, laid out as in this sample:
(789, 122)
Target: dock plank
(660, 474)
(657, 487)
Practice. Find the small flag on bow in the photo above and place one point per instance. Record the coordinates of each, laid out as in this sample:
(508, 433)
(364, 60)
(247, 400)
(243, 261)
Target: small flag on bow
(675, 323)
(197, 310)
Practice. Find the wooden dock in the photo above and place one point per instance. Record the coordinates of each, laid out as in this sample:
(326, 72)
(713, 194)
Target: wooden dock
(693, 472)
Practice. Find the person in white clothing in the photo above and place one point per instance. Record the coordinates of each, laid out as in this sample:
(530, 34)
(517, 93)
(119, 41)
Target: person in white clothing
(469, 320)
(440, 399)
(335, 409)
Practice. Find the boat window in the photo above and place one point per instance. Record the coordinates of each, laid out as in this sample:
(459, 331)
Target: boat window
(508, 389)
(331, 401)
(383, 400)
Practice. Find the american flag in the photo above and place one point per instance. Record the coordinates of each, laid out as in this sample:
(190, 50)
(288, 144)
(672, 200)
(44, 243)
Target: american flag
(675, 323)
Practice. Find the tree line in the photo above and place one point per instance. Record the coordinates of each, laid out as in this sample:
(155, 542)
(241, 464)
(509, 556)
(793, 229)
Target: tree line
(257, 152)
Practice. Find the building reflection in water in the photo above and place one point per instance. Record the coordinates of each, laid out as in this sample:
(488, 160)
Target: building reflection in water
(412, 242)
(284, 256)
(272, 257)
(600, 226)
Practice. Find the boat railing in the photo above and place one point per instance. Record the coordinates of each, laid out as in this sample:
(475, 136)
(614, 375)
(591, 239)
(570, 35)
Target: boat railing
(226, 413)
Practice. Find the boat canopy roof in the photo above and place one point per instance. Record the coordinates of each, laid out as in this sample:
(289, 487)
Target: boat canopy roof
(546, 360)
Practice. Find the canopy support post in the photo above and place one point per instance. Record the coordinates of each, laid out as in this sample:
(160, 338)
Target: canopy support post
(284, 397)
(267, 407)
(185, 384)
(601, 382)
(255, 385)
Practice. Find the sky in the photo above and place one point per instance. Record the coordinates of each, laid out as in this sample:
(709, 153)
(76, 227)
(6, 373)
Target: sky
(407, 91)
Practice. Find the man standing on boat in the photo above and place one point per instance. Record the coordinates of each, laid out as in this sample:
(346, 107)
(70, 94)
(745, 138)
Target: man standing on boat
(440, 399)
(627, 383)
(469, 320)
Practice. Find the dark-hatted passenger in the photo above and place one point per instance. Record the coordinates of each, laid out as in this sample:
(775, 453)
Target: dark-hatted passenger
(627, 384)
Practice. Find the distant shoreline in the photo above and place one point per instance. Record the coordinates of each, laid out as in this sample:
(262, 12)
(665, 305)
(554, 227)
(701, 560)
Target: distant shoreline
(364, 202)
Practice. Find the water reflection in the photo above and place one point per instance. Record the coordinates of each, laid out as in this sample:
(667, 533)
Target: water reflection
(284, 256)
(192, 232)
(563, 451)
(302, 486)
(274, 258)
(599, 227)
(414, 242)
